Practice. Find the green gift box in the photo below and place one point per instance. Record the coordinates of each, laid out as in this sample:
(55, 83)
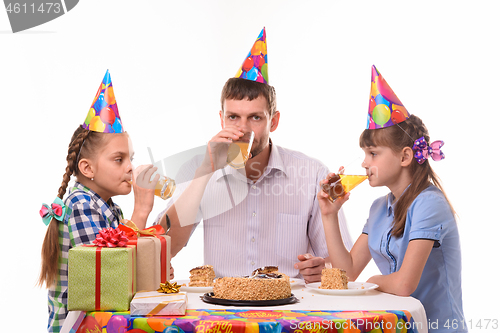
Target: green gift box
(101, 278)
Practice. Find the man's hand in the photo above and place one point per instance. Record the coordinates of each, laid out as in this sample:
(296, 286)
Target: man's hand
(310, 267)
(171, 272)
(217, 148)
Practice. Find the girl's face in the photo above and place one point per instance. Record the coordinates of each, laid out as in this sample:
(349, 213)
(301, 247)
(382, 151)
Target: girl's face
(112, 167)
(383, 166)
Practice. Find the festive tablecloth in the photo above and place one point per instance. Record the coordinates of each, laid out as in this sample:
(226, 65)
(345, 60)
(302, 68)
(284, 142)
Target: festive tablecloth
(256, 321)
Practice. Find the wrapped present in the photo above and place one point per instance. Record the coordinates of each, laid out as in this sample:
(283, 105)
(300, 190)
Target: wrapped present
(153, 254)
(154, 303)
(101, 278)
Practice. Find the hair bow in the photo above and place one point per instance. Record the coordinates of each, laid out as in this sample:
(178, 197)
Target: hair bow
(423, 151)
(56, 210)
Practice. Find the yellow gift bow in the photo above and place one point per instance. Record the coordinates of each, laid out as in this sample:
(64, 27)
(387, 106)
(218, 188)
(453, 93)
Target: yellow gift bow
(163, 304)
(130, 228)
(169, 288)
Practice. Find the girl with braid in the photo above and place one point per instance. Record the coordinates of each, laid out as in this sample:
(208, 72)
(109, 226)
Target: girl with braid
(411, 233)
(99, 156)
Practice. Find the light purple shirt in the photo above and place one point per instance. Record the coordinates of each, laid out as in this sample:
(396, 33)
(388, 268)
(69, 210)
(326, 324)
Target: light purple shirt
(270, 222)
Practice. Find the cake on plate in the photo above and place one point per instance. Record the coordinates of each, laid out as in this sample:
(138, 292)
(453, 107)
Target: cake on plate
(202, 276)
(265, 283)
(333, 278)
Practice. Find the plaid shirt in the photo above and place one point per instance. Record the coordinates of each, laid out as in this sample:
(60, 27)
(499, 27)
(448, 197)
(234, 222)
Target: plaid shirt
(86, 214)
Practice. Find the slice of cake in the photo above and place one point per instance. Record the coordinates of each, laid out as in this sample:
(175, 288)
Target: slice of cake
(333, 278)
(265, 283)
(265, 270)
(202, 276)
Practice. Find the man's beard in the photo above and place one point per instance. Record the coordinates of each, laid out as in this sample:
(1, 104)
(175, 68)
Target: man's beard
(259, 149)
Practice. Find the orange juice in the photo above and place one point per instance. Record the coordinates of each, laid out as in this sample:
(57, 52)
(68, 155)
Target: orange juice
(339, 185)
(165, 187)
(237, 154)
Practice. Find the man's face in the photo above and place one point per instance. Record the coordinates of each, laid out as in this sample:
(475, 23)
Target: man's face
(250, 116)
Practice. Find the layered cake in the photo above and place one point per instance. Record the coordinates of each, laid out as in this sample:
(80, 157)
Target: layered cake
(333, 278)
(202, 276)
(265, 283)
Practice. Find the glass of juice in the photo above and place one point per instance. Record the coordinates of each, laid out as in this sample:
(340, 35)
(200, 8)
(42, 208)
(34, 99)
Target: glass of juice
(164, 187)
(239, 151)
(340, 184)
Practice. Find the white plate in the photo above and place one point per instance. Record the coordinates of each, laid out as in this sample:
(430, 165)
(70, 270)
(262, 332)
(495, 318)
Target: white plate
(353, 288)
(188, 289)
(296, 282)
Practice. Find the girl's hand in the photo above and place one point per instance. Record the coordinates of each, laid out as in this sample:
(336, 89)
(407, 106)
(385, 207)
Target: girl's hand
(325, 205)
(144, 191)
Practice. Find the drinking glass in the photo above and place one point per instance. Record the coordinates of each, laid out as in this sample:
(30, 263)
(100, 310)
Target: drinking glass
(340, 184)
(239, 151)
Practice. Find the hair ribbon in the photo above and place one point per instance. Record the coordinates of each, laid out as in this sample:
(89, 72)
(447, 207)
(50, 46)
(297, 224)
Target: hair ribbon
(56, 210)
(423, 151)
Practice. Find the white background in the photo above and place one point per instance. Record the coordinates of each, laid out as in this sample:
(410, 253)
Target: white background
(169, 60)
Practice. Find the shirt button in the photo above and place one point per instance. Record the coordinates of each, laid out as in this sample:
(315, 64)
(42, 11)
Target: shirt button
(254, 214)
(254, 187)
(252, 263)
(253, 239)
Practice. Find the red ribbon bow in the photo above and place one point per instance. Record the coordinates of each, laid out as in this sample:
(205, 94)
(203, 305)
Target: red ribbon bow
(110, 237)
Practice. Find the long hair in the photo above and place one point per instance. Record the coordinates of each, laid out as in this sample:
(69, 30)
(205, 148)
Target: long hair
(84, 144)
(398, 137)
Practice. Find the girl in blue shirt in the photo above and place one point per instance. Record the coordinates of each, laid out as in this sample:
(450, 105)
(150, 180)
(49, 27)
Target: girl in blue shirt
(411, 233)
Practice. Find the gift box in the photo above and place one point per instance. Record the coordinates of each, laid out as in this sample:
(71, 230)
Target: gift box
(153, 261)
(154, 303)
(153, 254)
(101, 278)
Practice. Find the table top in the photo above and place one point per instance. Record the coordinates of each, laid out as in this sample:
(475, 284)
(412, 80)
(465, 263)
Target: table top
(372, 300)
(379, 303)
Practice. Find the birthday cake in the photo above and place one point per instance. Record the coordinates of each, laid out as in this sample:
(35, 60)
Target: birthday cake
(333, 278)
(202, 276)
(265, 283)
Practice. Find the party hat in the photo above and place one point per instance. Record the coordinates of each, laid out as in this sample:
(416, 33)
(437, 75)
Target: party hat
(103, 115)
(385, 108)
(254, 68)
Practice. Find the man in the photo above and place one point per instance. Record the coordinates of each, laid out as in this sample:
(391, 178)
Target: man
(264, 214)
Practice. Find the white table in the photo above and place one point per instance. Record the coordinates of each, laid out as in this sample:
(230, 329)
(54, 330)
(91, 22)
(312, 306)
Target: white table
(370, 301)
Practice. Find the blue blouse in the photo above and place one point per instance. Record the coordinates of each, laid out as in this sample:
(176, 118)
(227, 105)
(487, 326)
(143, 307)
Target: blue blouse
(428, 217)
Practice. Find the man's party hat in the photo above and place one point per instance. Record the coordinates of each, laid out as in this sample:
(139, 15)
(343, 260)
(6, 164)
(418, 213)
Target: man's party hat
(103, 115)
(385, 108)
(254, 68)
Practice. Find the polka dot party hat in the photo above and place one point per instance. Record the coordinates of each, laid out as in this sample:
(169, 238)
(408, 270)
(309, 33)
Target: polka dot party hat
(385, 108)
(103, 115)
(254, 67)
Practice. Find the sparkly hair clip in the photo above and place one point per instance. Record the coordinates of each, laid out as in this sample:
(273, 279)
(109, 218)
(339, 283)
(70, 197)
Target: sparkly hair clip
(423, 151)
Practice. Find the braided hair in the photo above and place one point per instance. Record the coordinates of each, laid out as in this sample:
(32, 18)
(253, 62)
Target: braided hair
(397, 138)
(84, 144)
